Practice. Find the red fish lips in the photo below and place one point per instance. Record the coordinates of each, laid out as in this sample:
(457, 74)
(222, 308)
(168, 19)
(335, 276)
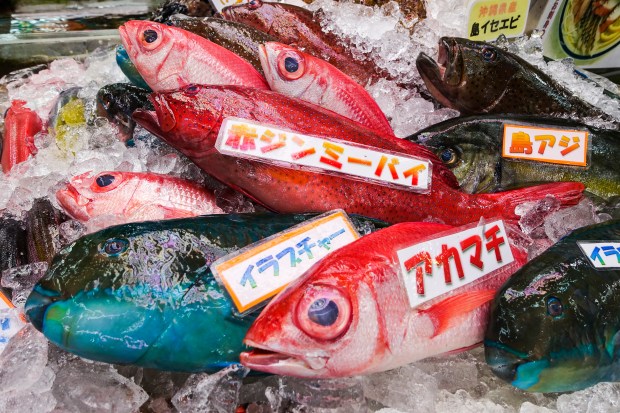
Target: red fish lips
(73, 202)
(280, 363)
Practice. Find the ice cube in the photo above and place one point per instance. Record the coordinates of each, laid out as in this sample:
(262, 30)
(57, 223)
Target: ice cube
(407, 388)
(82, 386)
(533, 213)
(603, 397)
(22, 280)
(36, 398)
(462, 402)
(345, 395)
(528, 407)
(23, 360)
(566, 220)
(70, 231)
(217, 393)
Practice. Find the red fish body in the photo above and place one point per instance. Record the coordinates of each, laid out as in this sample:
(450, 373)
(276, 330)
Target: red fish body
(190, 120)
(297, 74)
(350, 314)
(110, 198)
(169, 58)
(301, 29)
(20, 126)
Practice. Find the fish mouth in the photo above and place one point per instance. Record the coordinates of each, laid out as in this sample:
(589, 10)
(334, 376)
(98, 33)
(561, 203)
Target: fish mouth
(37, 304)
(165, 115)
(504, 361)
(264, 359)
(125, 40)
(73, 202)
(445, 73)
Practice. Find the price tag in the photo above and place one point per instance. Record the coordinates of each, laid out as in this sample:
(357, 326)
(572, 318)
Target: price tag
(488, 19)
(602, 254)
(245, 139)
(440, 265)
(559, 146)
(259, 271)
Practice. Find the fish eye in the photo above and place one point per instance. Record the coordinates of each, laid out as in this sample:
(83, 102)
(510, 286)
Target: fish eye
(115, 246)
(291, 65)
(254, 4)
(554, 307)
(489, 54)
(448, 156)
(149, 36)
(191, 90)
(104, 180)
(324, 312)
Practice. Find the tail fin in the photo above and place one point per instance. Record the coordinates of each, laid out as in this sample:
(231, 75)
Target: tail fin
(568, 193)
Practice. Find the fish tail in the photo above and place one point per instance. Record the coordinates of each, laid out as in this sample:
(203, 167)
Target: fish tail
(568, 193)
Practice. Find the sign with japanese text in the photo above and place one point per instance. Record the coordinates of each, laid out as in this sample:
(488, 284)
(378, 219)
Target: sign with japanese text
(440, 265)
(559, 146)
(242, 138)
(602, 254)
(488, 19)
(261, 270)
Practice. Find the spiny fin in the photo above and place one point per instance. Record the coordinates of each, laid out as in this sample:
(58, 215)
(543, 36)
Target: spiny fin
(444, 312)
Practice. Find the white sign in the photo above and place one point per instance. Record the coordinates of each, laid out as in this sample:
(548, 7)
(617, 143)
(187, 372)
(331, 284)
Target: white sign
(440, 265)
(242, 138)
(260, 270)
(602, 254)
(559, 146)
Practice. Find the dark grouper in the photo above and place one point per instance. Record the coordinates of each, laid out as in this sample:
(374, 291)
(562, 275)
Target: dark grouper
(472, 148)
(143, 293)
(477, 78)
(555, 325)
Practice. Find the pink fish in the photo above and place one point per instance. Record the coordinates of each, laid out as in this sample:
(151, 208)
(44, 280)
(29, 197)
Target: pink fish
(350, 314)
(20, 126)
(111, 198)
(300, 75)
(169, 58)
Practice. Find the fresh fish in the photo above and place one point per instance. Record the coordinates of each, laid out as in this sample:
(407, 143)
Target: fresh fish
(413, 10)
(143, 293)
(118, 101)
(300, 75)
(43, 229)
(129, 69)
(190, 120)
(472, 148)
(238, 38)
(301, 29)
(169, 58)
(350, 314)
(555, 325)
(14, 251)
(109, 198)
(20, 126)
(478, 78)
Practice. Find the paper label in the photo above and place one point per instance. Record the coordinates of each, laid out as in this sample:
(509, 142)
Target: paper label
(602, 254)
(559, 146)
(488, 19)
(242, 138)
(440, 265)
(261, 270)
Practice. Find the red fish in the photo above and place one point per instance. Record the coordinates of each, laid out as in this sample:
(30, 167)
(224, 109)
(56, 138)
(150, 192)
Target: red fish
(110, 198)
(350, 314)
(301, 28)
(20, 126)
(190, 120)
(169, 58)
(297, 74)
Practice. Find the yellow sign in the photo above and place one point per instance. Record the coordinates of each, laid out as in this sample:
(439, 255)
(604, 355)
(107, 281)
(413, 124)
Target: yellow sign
(488, 19)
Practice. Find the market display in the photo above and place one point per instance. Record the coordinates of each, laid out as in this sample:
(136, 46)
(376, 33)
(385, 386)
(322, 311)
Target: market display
(275, 189)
